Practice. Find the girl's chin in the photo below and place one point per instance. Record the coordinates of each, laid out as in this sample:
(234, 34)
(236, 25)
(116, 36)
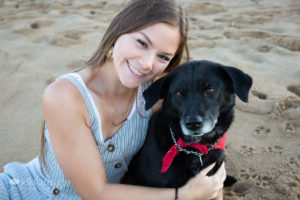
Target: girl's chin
(131, 83)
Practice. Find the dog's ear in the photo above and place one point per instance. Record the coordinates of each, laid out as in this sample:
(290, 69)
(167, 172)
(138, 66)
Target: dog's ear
(157, 90)
(241, 82)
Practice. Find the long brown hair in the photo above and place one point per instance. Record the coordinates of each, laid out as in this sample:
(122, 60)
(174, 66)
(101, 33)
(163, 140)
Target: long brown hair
(137, 15)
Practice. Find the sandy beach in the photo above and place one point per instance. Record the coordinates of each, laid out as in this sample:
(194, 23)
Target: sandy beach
(41, 40)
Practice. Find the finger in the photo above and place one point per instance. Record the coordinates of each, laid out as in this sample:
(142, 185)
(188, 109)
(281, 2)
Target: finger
(221, 187)
(207, 169)
(214, 195)
(224, 176)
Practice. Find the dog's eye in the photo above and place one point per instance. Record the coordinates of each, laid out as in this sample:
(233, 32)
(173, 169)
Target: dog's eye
(179, 94)
(210, 91)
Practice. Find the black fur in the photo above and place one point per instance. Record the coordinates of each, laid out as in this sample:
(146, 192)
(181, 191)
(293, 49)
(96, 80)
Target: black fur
(197, 95)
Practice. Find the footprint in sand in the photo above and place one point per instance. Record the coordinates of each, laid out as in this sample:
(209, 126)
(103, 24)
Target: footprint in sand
(288, 108)
(258, 104)
(205, 8)
(92, 12)
(35, 25)
(259, 95)
(47, 77)
(69, 38)
(236, 35)
(26, 29)
(294, 162)
(23, 29)
(241, 188)
(262, 131)
(291, 128)
(276, 149)
(259, 179)
(77, 64)
(228, 148)
(203, 44)
(239, 21)
(294, 89)
(287, 42)
(237, 191)
(41, 23)
(246, 173)
(76, 34)
(264, 48)
(62, 41)
(262, 180)
(290, 103)
(11, 67)
(246, 150)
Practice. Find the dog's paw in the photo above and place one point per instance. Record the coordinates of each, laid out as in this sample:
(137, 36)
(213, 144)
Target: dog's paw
(229, 181)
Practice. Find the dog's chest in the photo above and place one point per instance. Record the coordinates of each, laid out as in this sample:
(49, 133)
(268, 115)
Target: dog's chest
(187, 163)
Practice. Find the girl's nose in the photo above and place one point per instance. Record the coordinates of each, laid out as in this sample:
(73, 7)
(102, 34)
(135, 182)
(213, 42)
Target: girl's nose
(147, 61)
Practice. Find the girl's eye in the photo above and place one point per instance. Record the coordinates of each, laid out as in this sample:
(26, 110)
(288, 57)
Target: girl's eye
(165, 58)
(142, 43)
(210, 91)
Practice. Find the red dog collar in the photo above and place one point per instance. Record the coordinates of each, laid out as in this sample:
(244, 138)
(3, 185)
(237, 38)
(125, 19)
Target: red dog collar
(173, 151)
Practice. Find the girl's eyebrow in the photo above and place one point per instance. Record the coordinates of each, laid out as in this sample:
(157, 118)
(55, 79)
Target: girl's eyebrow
(147, 38)
(150, 42)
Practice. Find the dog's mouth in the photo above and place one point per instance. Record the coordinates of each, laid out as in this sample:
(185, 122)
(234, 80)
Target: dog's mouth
(195, 129)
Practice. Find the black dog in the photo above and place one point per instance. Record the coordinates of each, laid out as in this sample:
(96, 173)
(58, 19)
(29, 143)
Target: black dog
(198, 104)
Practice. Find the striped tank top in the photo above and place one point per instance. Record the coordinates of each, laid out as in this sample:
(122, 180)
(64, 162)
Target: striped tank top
(28, 181)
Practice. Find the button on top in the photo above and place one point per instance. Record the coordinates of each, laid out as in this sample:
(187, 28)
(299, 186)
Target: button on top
(110, 148)
(118, 165)
(56, 191)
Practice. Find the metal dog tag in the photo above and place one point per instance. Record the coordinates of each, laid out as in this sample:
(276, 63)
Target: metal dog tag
(200, 158)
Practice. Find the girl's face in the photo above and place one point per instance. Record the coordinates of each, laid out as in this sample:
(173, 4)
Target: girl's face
(142, 55)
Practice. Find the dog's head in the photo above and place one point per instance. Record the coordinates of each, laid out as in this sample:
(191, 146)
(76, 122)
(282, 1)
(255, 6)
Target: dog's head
(195, 96)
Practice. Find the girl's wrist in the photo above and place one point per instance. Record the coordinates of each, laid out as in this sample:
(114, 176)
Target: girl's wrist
(181, 194)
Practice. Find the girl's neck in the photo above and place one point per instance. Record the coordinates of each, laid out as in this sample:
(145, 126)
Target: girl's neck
(105, 81)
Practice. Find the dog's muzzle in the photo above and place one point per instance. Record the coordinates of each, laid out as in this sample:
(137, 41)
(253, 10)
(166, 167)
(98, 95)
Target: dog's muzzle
(193, 123)
(196, 125)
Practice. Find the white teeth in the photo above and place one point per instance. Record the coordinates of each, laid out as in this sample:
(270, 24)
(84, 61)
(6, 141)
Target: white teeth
(134, 70)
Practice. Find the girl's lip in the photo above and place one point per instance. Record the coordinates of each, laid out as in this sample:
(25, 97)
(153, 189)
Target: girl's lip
(134, 72)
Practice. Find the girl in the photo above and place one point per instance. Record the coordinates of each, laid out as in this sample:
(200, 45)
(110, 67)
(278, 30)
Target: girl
(95, 119)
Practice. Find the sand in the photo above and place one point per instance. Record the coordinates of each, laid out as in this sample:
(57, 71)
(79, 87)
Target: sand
(40, 40)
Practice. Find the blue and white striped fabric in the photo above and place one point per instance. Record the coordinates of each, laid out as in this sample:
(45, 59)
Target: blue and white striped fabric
(26, 181)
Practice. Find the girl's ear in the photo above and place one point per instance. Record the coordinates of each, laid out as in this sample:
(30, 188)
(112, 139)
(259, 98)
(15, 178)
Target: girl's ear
(157, 90)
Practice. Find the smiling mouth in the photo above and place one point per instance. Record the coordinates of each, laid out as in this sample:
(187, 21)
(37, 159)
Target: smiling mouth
(134, 70)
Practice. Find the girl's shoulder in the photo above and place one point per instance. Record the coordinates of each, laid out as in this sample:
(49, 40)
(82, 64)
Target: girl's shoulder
(61, 90)
(62, 97)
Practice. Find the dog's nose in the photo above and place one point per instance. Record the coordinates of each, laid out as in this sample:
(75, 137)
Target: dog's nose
(193, 122)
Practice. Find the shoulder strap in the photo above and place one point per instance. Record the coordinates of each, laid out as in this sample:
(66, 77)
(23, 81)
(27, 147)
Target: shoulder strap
(90, 104)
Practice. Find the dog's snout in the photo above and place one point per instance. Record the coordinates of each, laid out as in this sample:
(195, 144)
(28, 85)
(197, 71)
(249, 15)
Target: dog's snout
(193, 122)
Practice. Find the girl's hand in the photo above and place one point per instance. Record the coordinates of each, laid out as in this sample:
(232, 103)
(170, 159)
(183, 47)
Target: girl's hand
(203, 187)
